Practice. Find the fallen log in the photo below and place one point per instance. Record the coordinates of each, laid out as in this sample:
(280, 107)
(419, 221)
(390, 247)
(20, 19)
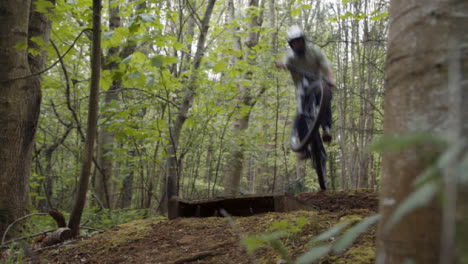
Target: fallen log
(58, 236)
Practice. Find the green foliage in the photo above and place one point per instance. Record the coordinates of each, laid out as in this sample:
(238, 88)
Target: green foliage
(105, 218)
(279, 230)
(314, 254)
(44, 6)
(284, 229)
(21, 46)
(352, 234)
(417, 199)
(15, 254)
(408, 141)
(154, 79)
(332, 232)
(287, 228)
(429, 183)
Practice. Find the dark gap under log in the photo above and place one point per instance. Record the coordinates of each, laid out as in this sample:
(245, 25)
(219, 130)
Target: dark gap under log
(246, 205)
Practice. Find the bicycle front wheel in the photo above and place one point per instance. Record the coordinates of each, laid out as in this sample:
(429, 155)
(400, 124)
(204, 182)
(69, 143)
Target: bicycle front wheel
(306, 124)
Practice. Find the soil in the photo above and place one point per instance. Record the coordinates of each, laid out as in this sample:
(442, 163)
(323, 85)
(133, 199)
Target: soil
(217, 240)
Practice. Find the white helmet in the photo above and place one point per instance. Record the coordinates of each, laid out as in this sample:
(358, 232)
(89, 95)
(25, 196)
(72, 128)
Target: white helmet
(294, 32)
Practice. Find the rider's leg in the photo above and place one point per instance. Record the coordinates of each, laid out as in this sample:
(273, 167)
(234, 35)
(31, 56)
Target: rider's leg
(302, 132)
(327, 118)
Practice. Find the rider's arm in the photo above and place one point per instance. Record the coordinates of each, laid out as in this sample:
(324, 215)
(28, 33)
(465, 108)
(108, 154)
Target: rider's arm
(331, 77)
(281, 64)
(325, 67)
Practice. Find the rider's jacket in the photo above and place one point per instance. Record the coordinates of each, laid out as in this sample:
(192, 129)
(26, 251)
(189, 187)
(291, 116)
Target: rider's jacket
(314, 61)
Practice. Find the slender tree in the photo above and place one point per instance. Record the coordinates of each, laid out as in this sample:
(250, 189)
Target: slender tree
(248, 100)
(176, 126)
(80, 197)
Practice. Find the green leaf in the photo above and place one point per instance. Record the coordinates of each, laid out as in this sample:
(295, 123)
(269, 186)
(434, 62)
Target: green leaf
(313, 255)
(21, 46)
(451, 155)
(179, 46)
(148, 18)
(252, 243)
(350, 236)
(138, 58)
(134, 75)
(406, 141)
(38, 40)
(134, 27)
(347, 15)
(379, 16)
(417, 199)
(108, 35)
(246, 83)
(127, 60)
(117, 75)
(462, 170)
(427, 175)
(157, 61)
(220, 67)
(331, 232)
(106, 80)
(34, 52)
(295, 12)
(116, 38)
(301, 222)
(44, 6)
(280, 225)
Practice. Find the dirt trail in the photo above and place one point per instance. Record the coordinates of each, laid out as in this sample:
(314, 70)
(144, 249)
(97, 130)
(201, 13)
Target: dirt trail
(216, 240)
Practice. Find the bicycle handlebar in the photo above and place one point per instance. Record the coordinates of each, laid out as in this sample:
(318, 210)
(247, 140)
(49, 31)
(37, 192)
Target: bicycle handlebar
(309, 75)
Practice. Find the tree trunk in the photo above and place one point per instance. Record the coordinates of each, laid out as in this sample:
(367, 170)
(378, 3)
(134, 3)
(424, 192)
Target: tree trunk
(103, 182)
(342, 107)
(127, 185)
(234, 171)
(454, 244)
(80, 197)
(176, 126)
(20, 100)
(418, 99)
(103, 185)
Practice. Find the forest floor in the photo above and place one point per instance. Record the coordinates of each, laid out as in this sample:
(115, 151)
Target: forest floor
(217, 240)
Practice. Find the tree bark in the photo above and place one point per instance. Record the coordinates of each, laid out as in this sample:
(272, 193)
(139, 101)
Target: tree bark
(176, 126)
(80, 197)
(127, 185)
(418, 99)
(234, 171)
(20, 100)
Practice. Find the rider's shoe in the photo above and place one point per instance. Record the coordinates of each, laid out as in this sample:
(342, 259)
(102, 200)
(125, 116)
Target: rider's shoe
(326, 135)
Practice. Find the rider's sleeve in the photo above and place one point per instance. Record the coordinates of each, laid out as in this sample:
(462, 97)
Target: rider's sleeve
(324, 63)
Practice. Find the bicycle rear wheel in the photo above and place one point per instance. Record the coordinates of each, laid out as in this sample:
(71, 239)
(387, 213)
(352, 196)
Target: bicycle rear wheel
(310, 121)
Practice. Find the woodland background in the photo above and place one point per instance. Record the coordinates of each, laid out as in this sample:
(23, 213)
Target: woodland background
(241, 106)
(191, 105)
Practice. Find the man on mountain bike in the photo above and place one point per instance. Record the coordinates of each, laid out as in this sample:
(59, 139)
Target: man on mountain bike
(309, 58)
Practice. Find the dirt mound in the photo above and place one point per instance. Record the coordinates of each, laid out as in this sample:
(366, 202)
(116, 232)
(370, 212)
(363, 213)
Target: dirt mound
(335, 201)
(215, 240)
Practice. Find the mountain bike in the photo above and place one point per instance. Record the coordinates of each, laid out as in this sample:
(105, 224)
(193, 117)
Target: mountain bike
(312, 96)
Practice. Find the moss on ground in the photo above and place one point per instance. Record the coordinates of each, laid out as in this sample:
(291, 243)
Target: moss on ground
(217, 240)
